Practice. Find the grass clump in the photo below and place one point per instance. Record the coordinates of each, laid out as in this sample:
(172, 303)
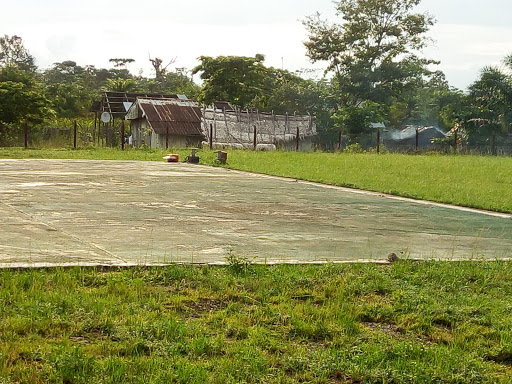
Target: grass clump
(408, 322)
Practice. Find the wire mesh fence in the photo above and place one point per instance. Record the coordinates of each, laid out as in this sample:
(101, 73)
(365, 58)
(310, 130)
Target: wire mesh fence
(70, 134)
(92, 133)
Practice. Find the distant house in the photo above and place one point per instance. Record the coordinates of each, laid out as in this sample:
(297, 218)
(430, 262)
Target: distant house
(162, 123)
(116, 104)
(405, 138)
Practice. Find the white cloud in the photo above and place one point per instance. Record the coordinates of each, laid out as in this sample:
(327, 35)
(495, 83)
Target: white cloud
(471, 33)
(464, 49)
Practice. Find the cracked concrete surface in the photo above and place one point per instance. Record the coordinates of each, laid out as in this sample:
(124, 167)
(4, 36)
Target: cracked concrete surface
(79, 212)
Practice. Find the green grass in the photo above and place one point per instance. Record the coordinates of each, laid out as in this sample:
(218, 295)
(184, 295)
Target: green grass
(472, 181)
(405, 323)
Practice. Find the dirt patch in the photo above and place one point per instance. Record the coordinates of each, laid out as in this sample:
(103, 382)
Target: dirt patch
(203, 306)
(387, 328)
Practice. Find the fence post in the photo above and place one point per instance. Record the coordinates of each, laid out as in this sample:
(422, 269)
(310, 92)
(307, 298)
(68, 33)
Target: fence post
(210, 141)
(95, 128)
(340, 141)
(26, 133)
(74, 134)
(298, 140)
(255, 138)
(378, 140)
(122, 135)
(417, 139)
(455, 141)
(494, 152)
(167, 138)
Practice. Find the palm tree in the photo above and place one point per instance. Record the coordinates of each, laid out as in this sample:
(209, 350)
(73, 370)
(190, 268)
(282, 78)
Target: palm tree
(491, 98)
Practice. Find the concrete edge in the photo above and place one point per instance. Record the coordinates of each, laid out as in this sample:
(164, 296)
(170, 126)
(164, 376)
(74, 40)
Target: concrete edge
(29, 266)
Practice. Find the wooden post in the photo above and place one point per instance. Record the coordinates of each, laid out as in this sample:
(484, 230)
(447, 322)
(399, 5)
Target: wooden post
(255, 138)
(122, 135)
(298, 140)
(210, 140)
(215, 121)
(95, 127)
(98, 137)
(26, 133)
(340, 143)
(167, 138)
(417, 139)
(74, 134)
(494, 152)
(378, 140)
(455, 141)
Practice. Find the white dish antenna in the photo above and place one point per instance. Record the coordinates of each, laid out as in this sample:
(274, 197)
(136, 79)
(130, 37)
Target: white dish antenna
(106, 117)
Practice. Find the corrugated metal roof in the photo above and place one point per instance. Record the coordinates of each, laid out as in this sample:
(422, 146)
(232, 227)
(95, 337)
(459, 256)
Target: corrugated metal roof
(180, 117)
(113, 102)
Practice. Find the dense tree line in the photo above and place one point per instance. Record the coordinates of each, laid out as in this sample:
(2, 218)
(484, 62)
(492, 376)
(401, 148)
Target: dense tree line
(374, 73)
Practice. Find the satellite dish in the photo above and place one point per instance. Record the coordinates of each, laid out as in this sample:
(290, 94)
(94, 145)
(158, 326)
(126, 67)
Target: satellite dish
(105, 117)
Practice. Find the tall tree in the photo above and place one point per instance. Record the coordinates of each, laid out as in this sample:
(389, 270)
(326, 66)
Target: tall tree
(71, 88)
(491, 98)
(372, 53)
(160, 69)
(21, 97)
(237, 79)
(13, 52)
(121, 62)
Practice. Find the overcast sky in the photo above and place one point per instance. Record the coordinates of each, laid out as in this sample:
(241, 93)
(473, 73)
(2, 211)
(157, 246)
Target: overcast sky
(469, 34)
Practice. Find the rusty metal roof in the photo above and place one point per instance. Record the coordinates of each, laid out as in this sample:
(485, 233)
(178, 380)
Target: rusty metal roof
(180, 117)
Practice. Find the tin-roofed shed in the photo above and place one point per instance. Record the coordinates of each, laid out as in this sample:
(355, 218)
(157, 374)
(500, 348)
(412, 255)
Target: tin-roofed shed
(164, 123)
(118, 103)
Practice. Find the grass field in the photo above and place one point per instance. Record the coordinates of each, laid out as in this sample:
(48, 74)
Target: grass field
(473, 181)
(404, 323)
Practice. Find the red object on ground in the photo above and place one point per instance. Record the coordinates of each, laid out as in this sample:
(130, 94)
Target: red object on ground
(172, 158)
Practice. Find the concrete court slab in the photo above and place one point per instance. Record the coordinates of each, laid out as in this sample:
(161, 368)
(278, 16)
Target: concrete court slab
(79, 212)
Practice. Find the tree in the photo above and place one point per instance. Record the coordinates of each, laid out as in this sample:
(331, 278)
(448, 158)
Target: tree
(491, 98)
(237, 79)
(13, 53)
(371, 53)
(21, 97)
(71, 88)
(160, 69)
(433, 102)
(121, 85)
(121, 62)
(288, 92)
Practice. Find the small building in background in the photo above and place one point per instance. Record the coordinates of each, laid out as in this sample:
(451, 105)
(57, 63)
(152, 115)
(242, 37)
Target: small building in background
(165, 123)
(405, 139)
(111, 109)
(117, 104)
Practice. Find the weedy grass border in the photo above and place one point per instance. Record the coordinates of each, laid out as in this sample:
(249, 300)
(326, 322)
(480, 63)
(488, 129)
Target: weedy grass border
(407, 322)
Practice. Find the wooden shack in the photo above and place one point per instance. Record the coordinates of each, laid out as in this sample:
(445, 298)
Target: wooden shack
(165, 123)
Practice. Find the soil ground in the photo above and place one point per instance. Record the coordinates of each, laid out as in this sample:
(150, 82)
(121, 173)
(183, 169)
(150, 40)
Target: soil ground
(82, 212)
